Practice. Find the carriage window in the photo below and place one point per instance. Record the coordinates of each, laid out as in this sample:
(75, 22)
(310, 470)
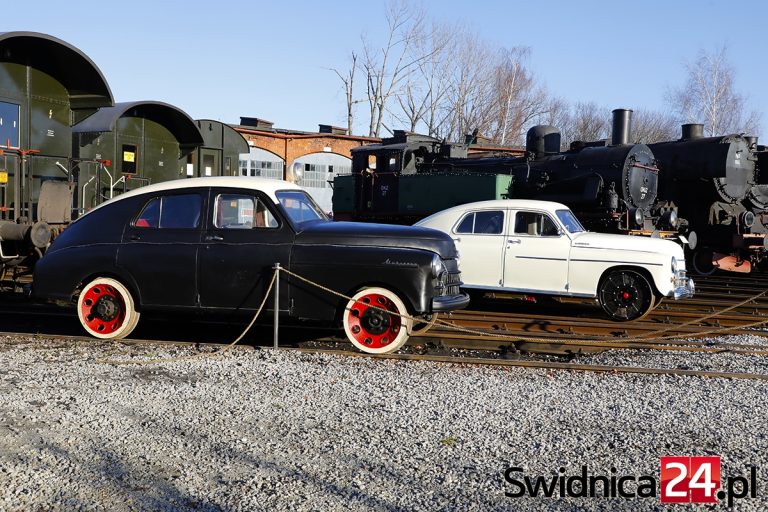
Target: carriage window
(236, 211)
(171, 212)
(536, 224)
(487, 223)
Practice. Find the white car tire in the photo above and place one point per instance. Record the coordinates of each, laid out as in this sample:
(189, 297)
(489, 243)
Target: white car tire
(106, 309)
(373, 322)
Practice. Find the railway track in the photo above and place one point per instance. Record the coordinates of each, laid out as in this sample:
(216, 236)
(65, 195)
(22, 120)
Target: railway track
(506, 332)
(548, 364)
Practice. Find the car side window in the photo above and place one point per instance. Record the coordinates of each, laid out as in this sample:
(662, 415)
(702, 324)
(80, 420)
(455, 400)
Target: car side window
(467, 224)
(239, 211)
(171, 212)
(534, 224)
(483, 222)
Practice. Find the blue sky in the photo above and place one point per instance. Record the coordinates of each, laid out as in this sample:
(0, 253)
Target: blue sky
(222, 60)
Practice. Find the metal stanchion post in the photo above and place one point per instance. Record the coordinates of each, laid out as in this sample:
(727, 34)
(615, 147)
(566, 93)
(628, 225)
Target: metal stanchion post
(277, 301)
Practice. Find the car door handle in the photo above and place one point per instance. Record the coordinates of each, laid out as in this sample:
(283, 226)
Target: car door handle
(457, 239)
(213, 238)
(514, 241)
(133, 238)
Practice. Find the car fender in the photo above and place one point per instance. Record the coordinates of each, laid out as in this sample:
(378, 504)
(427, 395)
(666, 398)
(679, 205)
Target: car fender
(407, 272)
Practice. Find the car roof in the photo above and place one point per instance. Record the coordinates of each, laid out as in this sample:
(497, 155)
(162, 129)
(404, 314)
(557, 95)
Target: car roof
(267, 185)
(511, 203)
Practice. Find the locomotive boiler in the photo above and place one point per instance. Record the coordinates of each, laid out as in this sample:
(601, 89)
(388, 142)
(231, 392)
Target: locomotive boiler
(712, 180)
(610, 185)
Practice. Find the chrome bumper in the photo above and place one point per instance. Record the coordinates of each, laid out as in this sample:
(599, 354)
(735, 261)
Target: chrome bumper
(450, 302)
(684, 288)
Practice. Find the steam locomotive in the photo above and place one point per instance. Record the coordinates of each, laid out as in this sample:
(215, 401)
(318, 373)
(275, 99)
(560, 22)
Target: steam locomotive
(611, 185)
(715, 184)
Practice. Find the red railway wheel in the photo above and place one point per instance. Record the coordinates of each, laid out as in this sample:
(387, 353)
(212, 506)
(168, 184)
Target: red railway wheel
(372, 322)
(106, 309)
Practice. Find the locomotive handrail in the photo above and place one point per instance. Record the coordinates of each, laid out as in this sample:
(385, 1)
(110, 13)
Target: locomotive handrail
(646, 167)
(83, 192)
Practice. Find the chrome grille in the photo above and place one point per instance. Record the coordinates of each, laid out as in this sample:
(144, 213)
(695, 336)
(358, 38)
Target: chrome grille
(448, 283)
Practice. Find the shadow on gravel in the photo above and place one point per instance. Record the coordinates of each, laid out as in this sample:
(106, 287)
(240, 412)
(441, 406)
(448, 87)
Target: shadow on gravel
(98, 479)
(28, 317)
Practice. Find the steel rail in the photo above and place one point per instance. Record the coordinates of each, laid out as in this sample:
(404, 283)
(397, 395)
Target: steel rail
(548, 365)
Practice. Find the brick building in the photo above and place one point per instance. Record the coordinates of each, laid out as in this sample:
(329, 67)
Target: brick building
(312, 159)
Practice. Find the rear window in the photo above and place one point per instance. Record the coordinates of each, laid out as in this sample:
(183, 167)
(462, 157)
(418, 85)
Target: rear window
(171, 212)
(485, 222)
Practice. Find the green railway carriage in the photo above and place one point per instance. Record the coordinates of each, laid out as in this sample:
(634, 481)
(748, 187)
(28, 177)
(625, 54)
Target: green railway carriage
(66, 146)
(46, 86)
(131, 144)
(220, 152)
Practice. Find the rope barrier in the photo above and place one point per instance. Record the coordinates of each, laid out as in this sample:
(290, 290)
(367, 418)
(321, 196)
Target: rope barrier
(534, 339)
(434, 320)
(207, 354)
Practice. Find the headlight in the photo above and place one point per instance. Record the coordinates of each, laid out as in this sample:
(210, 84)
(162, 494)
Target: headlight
(674, 265)
(639, 217)
(747, 219)
(438, 267)
(669, 220)
(673, 220)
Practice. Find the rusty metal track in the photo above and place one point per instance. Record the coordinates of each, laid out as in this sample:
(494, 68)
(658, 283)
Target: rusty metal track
(549, 365)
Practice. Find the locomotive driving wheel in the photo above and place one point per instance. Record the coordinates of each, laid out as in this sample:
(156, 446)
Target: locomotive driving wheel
(625, 295)
(106, 309)
(373, 321)
(702, 262)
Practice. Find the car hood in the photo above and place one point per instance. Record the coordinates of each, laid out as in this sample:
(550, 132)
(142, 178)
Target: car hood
(378, 235)
(627, 242)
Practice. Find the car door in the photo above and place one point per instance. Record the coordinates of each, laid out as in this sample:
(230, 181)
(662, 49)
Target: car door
(245, 236)
(159, 248)
(479, 238)
(536, 253)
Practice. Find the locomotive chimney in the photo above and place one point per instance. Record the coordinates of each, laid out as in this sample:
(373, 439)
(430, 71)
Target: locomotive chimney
(751, 141)
(622, 126)
(542, 139)
(692, 131)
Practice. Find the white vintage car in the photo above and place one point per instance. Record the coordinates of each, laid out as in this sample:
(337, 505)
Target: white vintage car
(539, 247)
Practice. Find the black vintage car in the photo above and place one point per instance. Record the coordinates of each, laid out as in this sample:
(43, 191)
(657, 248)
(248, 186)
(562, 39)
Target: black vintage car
(211, 244)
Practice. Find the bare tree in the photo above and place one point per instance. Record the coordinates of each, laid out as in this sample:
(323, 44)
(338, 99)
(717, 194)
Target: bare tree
(709, 95)
(557, 113)
(467, 104)
(443, 80)
(388, 68)
(518, 99)
(650, 126)
(348, 80)
(589, 122)
(426, 87)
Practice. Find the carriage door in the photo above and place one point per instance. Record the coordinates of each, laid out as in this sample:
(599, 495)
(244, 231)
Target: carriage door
(536, 253)
(209, 164)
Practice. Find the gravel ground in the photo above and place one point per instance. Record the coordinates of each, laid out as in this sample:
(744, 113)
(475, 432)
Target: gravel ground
(266, 430)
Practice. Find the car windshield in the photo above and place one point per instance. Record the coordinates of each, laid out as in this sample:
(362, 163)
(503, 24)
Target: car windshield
(299, 206)
(570, 221)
